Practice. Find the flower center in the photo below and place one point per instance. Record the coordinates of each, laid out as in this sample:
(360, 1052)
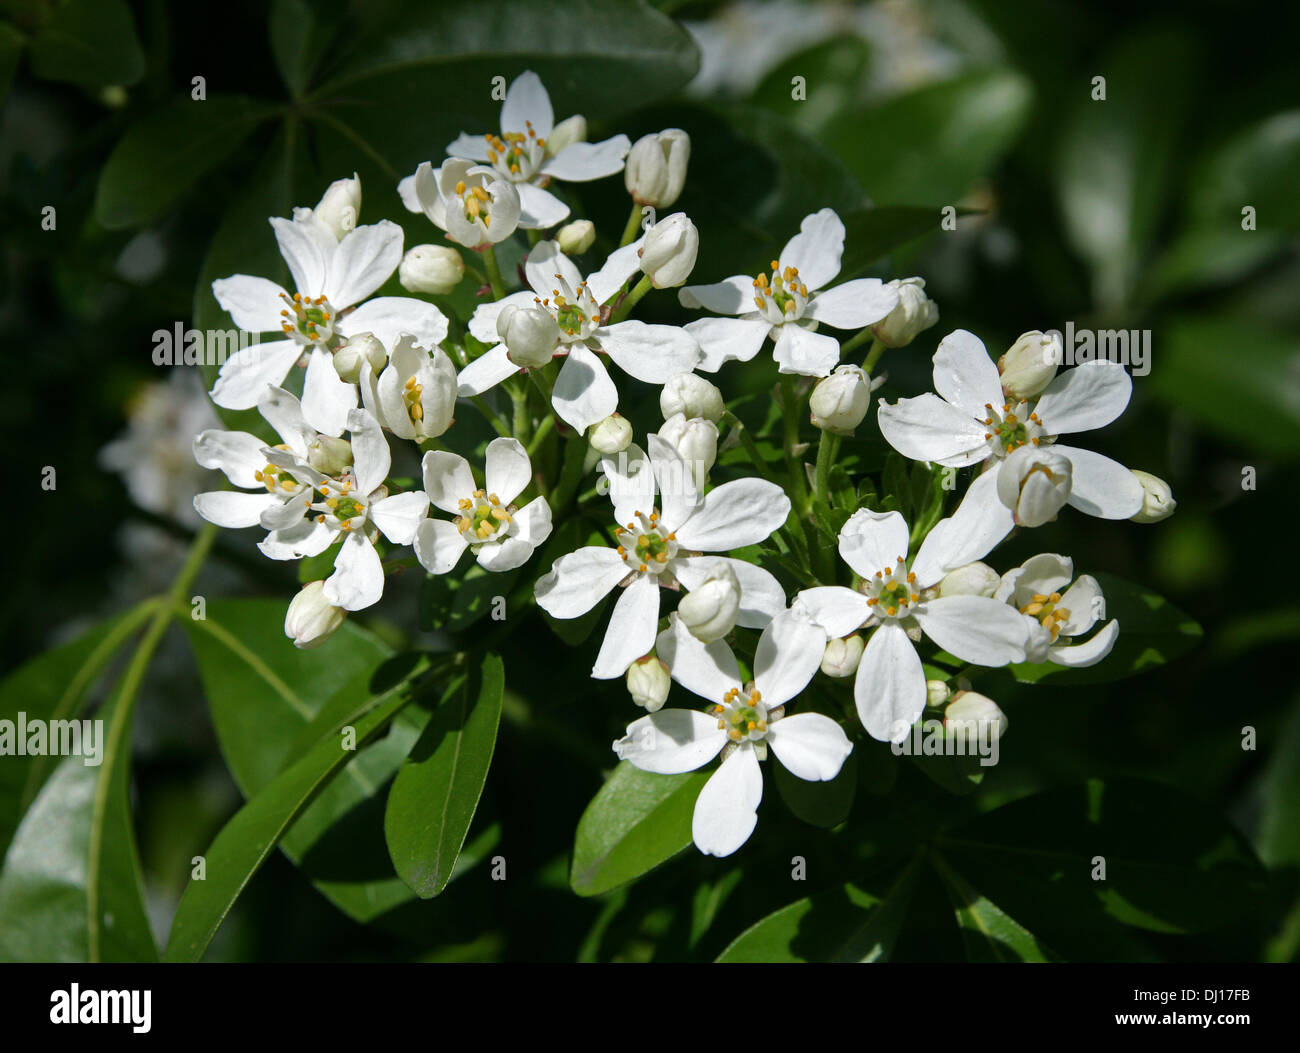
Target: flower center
(783, 297)
(411, 392)
(644, 546)
(575, 311)
(892, 593)
(342, 505)
(475, 202)
(745, 717)
(306, 320)
(1046, 611)
(483, 517)
(274, 478)
(517, 155)
(1013, 427)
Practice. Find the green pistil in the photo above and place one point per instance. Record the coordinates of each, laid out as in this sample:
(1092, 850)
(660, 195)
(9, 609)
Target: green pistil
(569, 318)
(346, 509)
(650, 546)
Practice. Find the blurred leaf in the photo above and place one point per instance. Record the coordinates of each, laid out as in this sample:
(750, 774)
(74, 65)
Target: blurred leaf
(11, 53)
(1279, 828)
(636, 821)
(833, 72)
(824, 804)
(437, 790)
(988, 933)
(299, 38)
(870, 234)
(91, 43)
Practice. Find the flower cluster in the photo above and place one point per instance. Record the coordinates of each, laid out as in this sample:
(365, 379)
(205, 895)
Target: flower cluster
(693, 561)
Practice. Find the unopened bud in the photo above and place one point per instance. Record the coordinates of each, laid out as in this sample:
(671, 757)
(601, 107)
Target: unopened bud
(329, 455)
(1030, 364)
(530, 335)
(312, 619)
(1035, 484)
(656, 167)
(974, 579)
(611, 435)
(974, 715)
(648, 683)
(576, 238)
(692, 396)
(841, 657)
(709, 611)
(839, 402)
(1157, 499)
(340, 208)
(432, 269)
(363, 347)
(569, 131)
(914, 314)
(669, 250)
(696, 439)
(937, 693)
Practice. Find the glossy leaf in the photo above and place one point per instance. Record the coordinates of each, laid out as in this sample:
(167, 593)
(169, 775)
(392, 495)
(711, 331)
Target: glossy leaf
(91, 43)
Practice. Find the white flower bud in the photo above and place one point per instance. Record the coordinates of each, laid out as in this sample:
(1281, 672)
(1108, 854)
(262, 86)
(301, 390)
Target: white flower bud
(329, 455)
(839, 402)
(696, 439)
(1030, 364)
(974, 579)
(1035, 484)
(648, 683)
(656, 167)
(611, 435)
(668, 252)
(976, 716)
(576, 238)
(341, 206)
(432, 269)
(937, 693)
(692, 396)
(841, 657)
(312, 619)
(530, 335)
(569, 131)
(1157, 499)
(915, 313)
(709, 611)
(363, 347)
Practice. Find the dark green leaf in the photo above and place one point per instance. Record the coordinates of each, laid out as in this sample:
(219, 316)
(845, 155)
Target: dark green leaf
(824, 804)
(88, 42)
(988, 932)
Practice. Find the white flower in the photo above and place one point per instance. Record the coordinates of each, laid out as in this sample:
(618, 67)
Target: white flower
(656, 167)
(664, 544)
(914, 314)
(937, 693)
(522, 154)
(709, 610)
(1029, 365)
(357, 349)
(415, 395)
(1035, 484)
(743, 722)
(896, 600)
(1157, 498)
(340, 207)
(842, 656)
(330, 275)
(470, 202)
(974, 718)
(611, 435)
(974, 579)
(789, 306)
(529, 333)
(1055, 614)
(311, 619)
(839, 402)
(648, 683)
(970, 420)
(692, 396)
(668, 251)
(583, 392)
(501, 536)
(432, 269)
(577, 237)
(696, 440)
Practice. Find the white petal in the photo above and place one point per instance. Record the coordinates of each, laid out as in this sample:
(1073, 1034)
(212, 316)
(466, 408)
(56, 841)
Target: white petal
(253, 304)
(307, 248)
(810, 745)
(365, 259)
(406, 187)
(508, 469)
(245, 375)
(808, 354)
(617, 269)
(734, 295)
(726, 809)
(816, 249)
(326, 397)
(583, 393)
(447, 480)
(500, 556)
(539, 209)
(233, 510)
(631, 483)
(871, 541)
(1090, 652)
(679, 489)
(305, 538)
(483, 323)
(839, 611)
(582, 162)
(653, 354)
(1045, 573)
(399, 516)
(927, 428)
(1085, 603)
(577, 581)
(965, 375)
(485, 372)
(438, 545)
(283, 412)
(789, 653)
(734, 515)
(973, 530)
(387, 318)
(761, 596)
(527, 104)
(1101, 487)
(470, 147)
(237, 453)
(358, 578)
(544, 262)
(282, 514)
(853, 304)
(370, 456)
(533, 522)
(976, 629)
(727, 340)
(631, 631)
(1086, 397)
(671, 741)
(890, 686)
(707, 670)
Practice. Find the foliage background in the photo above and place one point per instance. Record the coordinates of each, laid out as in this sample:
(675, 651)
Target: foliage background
(1124, 213)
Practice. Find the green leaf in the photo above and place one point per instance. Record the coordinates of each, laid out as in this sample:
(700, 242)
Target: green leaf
(824, 804)
(91, 43)
(437, 790)
(636, 821)
(833, 71)
(988, 933)
(244, 843)
(1279, 828)
(1152, 631)
(299, 39)
(870, 234)
(161, 156)
(12, 43)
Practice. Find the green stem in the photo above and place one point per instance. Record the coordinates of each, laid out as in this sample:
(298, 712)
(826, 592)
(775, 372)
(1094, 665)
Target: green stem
(827, 450)
(523, 421)
(790, 411)
(856, 341)
(751, 447)
(631, 299)
(543, 430)
(493, 272)
(492, 416)
(633, 225)
(534, 236)
(873, 356)
(575, 453)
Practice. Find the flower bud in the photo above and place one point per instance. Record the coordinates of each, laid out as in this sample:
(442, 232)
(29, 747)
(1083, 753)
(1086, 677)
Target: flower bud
(915, 313)
(1157, 499)
(312, 619)
(709, 611)
(432, 269)
(696, 439)
(937, 693)
(839, 402)
(970, 712)
(611, 435)
(841, 657)
(692, 396)
(974, 579)
(648, 683)
(1029, 366)
(576, 238)
(530, 335)
(329, 455)
(340, 206)
(656, 167)
(569, 131)
(668, 251)
(1035, 484)
(363, 347)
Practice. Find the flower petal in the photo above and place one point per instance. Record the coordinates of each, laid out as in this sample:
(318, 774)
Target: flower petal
(631, 631)
(806, 353)
(976, 629)
(735, 514)
(727, 340)
(726, 810)
(438, 545)
(358, 578)
(303, 539)
(890, 686)
(538, 208)
(810, 745)
(582, 162)
(816, 249)
(483, 323)
(470, 147)
(761, 596)
(577, 581)
(871, 542)
(533, 522)
(447, 479)
(839, 611)
(965, 375)
(508, 469)
(671, 741)
(789, 654)
(653, 354)
(734, 295)
(399, 516)
(854, 304)
(1043, 574)
(1090, 652)
(679, 489)
(527, 105)
(326, 398)
(485, 372)
(617, 269)
(245, 375)
(307, 247)
(1086, 604)
(232, 510)
(927, 428)
(387, 318)
(1089, 396)
(253, 304)
(1101, 487)
(370, 456)
(365, 259)
(237, 453)
(283, 412)
(544, 262)
(507, 554)
(631, 483)
(583, 392)
(707, 670)
(973, 530)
